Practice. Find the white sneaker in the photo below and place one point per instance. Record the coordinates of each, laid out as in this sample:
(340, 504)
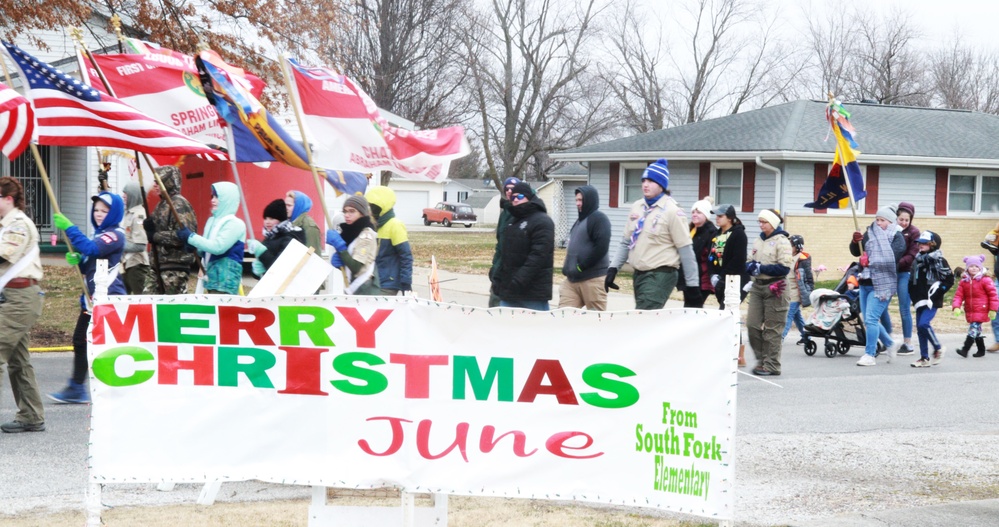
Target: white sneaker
(938, 356)
(867, 360)
(892, 352)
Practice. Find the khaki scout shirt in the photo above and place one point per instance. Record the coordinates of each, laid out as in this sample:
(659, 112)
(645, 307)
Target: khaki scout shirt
(17, 236)
(666, 229)
(134, 233)
(774, 250)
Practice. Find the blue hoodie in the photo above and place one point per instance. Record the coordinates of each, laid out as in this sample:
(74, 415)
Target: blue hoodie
(303, 204)
(224, 241)
(108, 243)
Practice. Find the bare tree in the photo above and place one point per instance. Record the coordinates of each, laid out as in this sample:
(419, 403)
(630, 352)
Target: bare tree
(963, 78)
(888, 69)
(832, 47)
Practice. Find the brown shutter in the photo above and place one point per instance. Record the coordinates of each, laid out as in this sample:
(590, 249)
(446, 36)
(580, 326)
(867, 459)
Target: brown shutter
(940, 194)
(615, 184)
(748, 187)
(704, 181)
(873, 182)
(819, 174)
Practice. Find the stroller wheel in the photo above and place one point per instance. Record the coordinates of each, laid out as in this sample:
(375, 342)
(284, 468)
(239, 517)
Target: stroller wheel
(844, 348)
(810, 348)
(831, 349)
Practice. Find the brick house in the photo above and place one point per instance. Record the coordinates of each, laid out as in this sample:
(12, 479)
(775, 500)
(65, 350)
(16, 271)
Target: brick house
(945, 162)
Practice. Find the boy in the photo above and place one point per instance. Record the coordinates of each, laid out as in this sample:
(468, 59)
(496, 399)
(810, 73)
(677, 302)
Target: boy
(930, 278)
(801, 282)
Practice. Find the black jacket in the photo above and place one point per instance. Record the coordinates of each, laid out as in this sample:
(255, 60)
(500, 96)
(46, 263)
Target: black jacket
(527, 259)
(276, 244)
(730, 259)
(586, 254)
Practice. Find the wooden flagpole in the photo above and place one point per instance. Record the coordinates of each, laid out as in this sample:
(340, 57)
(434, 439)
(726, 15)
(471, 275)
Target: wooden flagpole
(846, 177)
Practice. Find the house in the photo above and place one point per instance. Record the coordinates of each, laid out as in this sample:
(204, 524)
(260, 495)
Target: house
(561, 200)
(945, 162)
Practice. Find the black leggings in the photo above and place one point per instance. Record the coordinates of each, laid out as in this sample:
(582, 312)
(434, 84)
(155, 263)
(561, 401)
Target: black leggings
(80, 348)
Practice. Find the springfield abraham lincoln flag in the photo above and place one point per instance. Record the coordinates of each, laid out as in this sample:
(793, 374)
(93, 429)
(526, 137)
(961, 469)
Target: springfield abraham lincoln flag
(834, 193)
(68, 112)
(17, 122)
(350, 133)
(359, 392)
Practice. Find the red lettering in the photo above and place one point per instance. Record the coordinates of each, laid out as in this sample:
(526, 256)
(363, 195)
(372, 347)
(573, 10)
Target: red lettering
(423, 440)
(559, 387)
(203, 365)
(487, 443)
(302, 372)
(418, 372)
(364, 329)
(106, 316)
(396, 423)
(255, 326)
(556, 445)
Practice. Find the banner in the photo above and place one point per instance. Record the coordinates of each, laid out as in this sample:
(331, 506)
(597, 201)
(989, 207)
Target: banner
(626, 408)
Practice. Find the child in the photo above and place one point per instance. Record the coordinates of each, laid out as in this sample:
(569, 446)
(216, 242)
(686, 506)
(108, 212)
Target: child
(355, 247)
(801, 284)
(135, 261)
(277, 233)
(223, 242)
(930, 278)
(978, 294)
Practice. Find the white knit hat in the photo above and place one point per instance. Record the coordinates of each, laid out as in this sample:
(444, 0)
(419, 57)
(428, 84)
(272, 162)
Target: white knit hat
(703, 206)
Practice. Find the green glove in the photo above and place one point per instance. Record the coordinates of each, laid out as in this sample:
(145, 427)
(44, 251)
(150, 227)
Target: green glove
(73, 258)
(992, 315)
(61, 222)
(957, 312)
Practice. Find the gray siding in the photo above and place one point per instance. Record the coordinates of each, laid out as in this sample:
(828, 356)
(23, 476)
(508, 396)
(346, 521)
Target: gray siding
(73, 186)
(914, 184)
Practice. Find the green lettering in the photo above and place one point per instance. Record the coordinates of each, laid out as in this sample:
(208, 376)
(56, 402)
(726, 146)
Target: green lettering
(255, 370)
(373, 381)
(625, 394)
(170, 323)
(311, 320)
(466, 367)
(104, 369)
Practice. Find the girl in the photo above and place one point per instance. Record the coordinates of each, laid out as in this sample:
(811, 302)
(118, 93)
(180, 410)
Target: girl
(298, 205)
(727, 256)
(356, 247)
(978, 295)
(222, 245)
(910, 234)
(277, 234)
(770, 264)
(800, 284)
(702, 232)
(930, 278)
(879, 250)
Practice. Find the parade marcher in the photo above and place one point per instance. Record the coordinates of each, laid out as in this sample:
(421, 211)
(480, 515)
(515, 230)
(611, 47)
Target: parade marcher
(135, 262)
(799, 284)
(931, 277)
(882, 246)
(910, 233)
(355, 247)
(656, 240)
(276, 234)
(504, 219)
(20, 306)
(395, 258)
(586, 258)
(702, 232)
(991, 243)
(161, 227)
(768, 265)
(977, 295)
(727, 256)
(524, 277)
(108, 243)
(298, 204)
(223, 243)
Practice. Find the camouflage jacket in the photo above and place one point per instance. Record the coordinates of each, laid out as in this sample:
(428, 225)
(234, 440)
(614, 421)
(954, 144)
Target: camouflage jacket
(170, 249)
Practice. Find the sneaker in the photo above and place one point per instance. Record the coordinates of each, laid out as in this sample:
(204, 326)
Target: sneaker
(879, 349)
(921, 363)
(904, 350)
(990, 247)
(892, 351)
(993, 348)
(15, 427)
(803, 340)
(73, 393)
(938, 356)
(867, 360)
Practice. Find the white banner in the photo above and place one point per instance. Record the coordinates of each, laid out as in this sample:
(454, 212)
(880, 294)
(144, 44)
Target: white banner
(627, 408)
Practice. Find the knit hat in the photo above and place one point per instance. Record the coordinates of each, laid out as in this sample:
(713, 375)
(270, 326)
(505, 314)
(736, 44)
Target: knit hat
(887, 213)
(510, 181)
(703, 206)
(658, 172)
(276, 210)
(359, 204)
(905, 206)
(770, 217)
(524, 188)
(976, 260)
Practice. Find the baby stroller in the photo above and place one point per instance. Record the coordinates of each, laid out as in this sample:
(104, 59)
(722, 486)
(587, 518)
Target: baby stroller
(836, 319)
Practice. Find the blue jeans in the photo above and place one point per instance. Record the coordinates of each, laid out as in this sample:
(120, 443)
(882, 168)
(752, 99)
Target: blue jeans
(924, 317)
(537, 305)
(904, 305)
(872, 319)
(794, 315)
(884, 332)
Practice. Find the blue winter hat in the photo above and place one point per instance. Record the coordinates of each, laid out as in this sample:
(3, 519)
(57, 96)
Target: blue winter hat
(510, 181)
(658, 172)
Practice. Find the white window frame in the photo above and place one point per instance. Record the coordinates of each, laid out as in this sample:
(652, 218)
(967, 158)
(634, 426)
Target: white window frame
(622, 180)
(979, 175)
(714, 182)
(861, 204)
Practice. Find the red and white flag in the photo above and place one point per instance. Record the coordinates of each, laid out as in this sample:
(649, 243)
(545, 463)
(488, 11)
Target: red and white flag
(349, 133)
(70, 113)
(17, 122)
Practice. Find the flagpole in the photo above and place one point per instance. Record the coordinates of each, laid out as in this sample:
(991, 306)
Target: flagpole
(231, 144)
(846, 177)
(48, 186)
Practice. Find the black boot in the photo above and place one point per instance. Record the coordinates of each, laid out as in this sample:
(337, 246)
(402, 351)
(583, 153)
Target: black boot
(980, 343)
(963, 350)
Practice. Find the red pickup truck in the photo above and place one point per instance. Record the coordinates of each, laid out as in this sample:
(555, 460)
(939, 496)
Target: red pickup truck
(447, 213)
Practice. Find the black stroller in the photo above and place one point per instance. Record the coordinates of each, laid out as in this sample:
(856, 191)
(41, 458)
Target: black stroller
(836, 319)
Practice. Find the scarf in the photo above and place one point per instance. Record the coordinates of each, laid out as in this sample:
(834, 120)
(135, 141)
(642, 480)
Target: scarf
(649, 207)
(350, 232)
(930, 265)
(284, 226)
(881, 261)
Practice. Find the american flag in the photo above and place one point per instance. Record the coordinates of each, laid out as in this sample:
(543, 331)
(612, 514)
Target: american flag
(70, 113)
(17, 121)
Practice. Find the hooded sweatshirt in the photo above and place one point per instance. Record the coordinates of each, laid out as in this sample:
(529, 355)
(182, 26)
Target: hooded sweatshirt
(107, 244)
(170, 252)
(526, 265)
(223, 242)
(135, 235)
(300, 218)
(586, 254)
(395, 258)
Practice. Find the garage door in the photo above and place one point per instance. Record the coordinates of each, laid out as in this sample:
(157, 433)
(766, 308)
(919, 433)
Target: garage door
(409, 205)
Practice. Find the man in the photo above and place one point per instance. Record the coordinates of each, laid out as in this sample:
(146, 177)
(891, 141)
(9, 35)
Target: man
(504, 219)
(656, 240)
(20, 272)
(395, 258)
(161, 230)
(586, 260)
(524, 276)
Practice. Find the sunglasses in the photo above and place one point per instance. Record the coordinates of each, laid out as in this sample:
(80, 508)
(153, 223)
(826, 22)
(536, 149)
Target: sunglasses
(517, 196)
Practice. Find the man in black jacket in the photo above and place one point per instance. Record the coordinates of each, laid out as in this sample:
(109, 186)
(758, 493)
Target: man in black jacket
(524, 276)
(586, 258)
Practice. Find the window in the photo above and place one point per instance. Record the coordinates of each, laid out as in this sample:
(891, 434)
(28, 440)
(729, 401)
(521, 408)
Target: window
(36, 202)
(631, 183)
(973, 192)
(728, 184)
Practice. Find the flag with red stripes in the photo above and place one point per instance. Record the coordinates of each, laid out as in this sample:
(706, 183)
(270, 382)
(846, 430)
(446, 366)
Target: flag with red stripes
(68, 112)
(17, 121)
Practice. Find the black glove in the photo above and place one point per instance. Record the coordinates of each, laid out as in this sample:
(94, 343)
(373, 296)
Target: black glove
(150, 227)
(692, 295)
(609, 280)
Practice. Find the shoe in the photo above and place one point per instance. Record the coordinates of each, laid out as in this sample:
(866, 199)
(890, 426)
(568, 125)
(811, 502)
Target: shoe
(921, 363)
(879, 349)
(73, 393)
(963, 350)
(15, 427)
(764, 373)
(990, 247)
(938, 356)
(802, 340)
(904, 350)
(993, 348)
(980, 345)
(867, 360)
(892, 351)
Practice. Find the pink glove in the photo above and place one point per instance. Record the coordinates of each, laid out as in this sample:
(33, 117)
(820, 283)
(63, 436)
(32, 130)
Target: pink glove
(777, 288)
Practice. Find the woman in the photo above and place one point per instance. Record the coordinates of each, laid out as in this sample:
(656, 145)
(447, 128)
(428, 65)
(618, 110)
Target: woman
(222, 245)
(702, 232)
(356, 247)
(278, 232)
(910, 234)
(298, 205)
(769, 265)
(879, 249)
(727, 256)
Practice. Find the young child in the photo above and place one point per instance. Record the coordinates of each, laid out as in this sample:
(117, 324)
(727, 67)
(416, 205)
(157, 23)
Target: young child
(978, 295)
(801, 283)
(930, 278)
(278, 231)
(222, 245)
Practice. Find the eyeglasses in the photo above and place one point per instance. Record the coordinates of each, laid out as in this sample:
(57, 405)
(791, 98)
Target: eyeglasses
(518, 196)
